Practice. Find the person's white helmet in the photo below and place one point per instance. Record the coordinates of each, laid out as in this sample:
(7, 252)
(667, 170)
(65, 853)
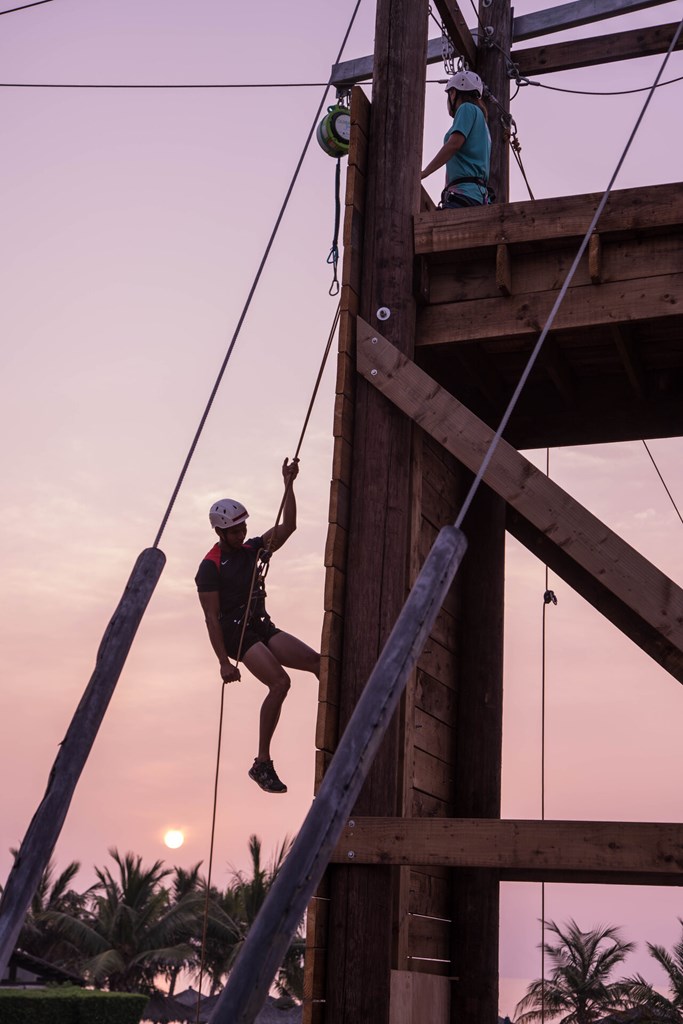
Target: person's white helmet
(226, 513)
(466, 81)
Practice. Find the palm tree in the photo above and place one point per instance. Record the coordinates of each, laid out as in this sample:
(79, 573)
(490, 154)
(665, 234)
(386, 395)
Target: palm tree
(130, 933)
(232, 913)
(578, 990)
(38, 935)
(642, 994)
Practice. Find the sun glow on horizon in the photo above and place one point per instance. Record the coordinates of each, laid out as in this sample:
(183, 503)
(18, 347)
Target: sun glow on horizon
(174, 838)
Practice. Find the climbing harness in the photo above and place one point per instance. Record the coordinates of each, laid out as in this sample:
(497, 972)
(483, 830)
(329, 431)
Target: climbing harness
(450, 192)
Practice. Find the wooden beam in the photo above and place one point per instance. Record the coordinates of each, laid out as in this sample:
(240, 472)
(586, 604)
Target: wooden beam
(457, 29)
(361, 69)
(579, 12)
(651, 852)
(524, 315)
(631, 360)
(361, 920)
(622, 577)
(628, 210)
(43, 831)
(583, 53)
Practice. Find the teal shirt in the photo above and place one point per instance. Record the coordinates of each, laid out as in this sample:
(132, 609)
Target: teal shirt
(473, 159)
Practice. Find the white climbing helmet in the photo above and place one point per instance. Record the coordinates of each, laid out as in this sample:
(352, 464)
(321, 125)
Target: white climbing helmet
(466, 81)
(226, 513)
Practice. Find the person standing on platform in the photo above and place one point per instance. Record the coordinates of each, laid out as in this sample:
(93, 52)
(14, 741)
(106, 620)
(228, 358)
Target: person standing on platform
(233, 599)
(466, 151)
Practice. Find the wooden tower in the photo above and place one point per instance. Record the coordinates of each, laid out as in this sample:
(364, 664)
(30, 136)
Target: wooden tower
(440, 310)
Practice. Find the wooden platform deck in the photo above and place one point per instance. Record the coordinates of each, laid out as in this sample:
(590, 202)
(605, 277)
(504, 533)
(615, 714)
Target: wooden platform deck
(612, 366)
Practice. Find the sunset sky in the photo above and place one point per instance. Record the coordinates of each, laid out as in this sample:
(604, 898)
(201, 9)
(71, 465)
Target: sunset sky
(132, 223)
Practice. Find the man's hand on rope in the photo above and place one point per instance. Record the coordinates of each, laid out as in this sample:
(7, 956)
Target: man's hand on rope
(290, 470)
(229, 672)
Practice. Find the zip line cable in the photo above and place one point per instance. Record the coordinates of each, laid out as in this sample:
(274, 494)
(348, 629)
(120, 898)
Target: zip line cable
(252, 290)
(560, 298)
(663, 482)
(36, 3)
(168, 85)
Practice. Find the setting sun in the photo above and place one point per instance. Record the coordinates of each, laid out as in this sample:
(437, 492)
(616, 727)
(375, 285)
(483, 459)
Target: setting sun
(174, 838)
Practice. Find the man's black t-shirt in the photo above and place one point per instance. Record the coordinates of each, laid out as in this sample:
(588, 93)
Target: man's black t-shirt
(229, 573)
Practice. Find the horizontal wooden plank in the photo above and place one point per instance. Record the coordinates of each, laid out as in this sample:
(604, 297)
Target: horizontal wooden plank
(322, 761)
(435, 698)
(354, 192)
(327, 727)
(424, 805)
(627, 210)
(462, 279)
(361, 110)
(438, 662)
(571, 15)
(647, 41)
(336, 547)
(525, 848)
(330, 675)
(431, 892)
(346, 374)
(429, 937)
(332, 636)
(335, 590)
(434, 777)
(623, 578)
(339, 504)
(524, 315)
(342, 455)
(342, 422)
(434, 736)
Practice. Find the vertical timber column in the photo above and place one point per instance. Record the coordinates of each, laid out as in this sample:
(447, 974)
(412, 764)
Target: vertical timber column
(361, 927)
(479, 713)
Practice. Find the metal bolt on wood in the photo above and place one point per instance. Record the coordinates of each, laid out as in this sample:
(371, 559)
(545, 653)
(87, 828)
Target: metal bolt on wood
(383, 313)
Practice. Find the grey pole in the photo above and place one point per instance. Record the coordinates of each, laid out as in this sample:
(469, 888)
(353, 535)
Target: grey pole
(43, 832)
(283, 909)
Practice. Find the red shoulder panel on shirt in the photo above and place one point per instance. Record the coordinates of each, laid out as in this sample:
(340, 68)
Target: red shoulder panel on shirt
(214, 556)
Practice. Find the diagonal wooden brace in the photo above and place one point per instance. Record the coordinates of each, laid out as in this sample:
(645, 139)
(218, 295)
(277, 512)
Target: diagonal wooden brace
(624, 587)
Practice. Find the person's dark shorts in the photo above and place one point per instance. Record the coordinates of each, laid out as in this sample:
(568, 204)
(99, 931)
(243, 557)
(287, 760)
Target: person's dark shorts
(260, 630)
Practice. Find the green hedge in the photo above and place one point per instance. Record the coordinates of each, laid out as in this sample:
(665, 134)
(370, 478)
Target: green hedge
(69, 1005)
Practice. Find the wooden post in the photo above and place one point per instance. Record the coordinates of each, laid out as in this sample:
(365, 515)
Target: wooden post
(495, 40)
(360, 952)
(43, 832)
(478, 741)
(479, 723)
(272, 932)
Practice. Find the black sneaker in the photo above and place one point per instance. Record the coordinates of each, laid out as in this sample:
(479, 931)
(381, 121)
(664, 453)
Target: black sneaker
(264, 775)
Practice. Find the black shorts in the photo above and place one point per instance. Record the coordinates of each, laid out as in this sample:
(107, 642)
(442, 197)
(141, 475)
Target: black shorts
(260, 630)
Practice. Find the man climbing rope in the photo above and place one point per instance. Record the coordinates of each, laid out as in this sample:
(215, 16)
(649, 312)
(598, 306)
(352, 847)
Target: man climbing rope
(232, 593)
(466, 151)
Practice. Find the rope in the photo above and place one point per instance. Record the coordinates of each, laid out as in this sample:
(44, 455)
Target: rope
(169, 85)
(333, 258)
(250, 295)
(211, 846)
(560, 298)
(23, 7)
(254, 576)
(663, 482)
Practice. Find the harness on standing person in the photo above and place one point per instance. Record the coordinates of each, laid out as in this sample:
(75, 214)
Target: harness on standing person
(450, 190)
